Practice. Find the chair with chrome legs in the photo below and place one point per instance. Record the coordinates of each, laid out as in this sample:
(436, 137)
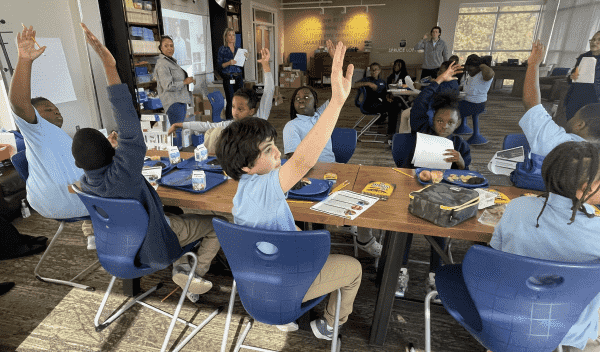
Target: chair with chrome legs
(20, 163)
(120, 227)
(272, 286)
(361, 97)
(510, 302)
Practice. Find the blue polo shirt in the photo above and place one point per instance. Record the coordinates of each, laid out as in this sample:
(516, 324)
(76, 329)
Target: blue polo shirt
(260, 202)
(553, 240)
(51, 169)
(295, 131)
(543, 134)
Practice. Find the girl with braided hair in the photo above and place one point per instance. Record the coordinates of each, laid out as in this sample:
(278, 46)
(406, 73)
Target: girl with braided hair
(561, 225)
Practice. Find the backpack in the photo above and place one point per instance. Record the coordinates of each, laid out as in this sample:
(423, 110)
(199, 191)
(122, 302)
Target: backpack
(528, 174)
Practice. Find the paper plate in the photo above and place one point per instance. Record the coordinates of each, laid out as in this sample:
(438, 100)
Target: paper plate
(316, 187)
(459, 182)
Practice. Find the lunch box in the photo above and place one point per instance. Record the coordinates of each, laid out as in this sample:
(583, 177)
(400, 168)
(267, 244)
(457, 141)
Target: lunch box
(443, 204)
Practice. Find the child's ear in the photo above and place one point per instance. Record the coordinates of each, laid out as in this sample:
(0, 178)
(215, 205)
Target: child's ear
(252, 111)
(246, 169)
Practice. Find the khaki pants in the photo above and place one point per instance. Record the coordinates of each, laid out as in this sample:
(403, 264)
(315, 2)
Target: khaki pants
(190, 228)
(87, 228)
(339, 271)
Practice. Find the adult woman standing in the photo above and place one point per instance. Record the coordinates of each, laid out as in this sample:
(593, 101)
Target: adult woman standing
(172, 82)
(581, 94)
(231, 74)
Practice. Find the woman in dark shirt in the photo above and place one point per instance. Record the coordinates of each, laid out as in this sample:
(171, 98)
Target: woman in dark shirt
(231, 74)
(582, 94)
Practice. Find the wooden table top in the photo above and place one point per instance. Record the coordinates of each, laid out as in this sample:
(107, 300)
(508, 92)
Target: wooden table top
(221, 197)
(393, 214)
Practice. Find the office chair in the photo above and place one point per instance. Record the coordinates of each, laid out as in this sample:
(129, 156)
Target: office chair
(120, 226)
(272, 286)
(514, 303)
(359, 101)
(217, 101)
(19, 161)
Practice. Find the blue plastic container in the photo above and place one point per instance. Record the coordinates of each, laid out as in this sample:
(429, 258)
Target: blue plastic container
(152, 104)
(197, 139)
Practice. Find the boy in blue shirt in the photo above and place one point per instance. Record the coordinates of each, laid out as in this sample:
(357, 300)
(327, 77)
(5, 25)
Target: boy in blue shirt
(117, 173)
(560, 225)
(248, 153)
(543, 134)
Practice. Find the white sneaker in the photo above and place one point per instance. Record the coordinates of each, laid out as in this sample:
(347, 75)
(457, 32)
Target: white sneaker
(402, 284)
(293, 326)
(91, 243)
(430, 285)
(372, 247)
(198, 285)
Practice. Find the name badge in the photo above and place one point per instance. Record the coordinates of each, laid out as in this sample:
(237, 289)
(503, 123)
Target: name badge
(232, 81)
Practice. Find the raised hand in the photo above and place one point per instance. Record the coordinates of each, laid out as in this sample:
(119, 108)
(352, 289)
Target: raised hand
(26, 45)
(448, 75)
(105, 55)
(340, 85)
(265, 55)
(425, 37)
(113, 138)
(537, 54)
(330, 47)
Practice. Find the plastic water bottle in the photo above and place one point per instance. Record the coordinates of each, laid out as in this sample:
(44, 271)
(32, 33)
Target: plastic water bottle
(25, 209)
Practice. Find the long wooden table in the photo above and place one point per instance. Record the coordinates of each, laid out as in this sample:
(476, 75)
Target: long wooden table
(393, 215)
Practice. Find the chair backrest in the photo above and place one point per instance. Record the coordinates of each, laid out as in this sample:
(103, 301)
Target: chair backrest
(359, 101)
(20, 163)
(560, 71)
(298, 61)
(516, 140)
(120, 226)
(272, 286)
(402, 145)
(217, 101)
(343, 141)
(524, 301)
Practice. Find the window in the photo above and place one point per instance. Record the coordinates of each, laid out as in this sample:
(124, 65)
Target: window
(500, 31)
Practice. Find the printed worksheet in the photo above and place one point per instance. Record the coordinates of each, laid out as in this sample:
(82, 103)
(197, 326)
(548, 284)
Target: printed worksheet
(430, 150)
(346, 204)
(240, 57)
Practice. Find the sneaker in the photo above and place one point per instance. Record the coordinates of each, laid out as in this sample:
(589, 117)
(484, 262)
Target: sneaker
(321, 329)
(91, 243)
(293, 326)
(197, 286)
(430, 285)
(194, 297)
(372, 247)
(402, 284)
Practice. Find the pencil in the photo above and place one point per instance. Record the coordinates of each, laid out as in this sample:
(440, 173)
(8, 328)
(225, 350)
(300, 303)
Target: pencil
(172, 292)
(402, 172)
(35, 41)
(299, 201)
(342, 185)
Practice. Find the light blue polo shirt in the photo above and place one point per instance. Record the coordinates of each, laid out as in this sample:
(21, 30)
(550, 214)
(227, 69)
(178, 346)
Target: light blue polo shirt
(295, 131)
(543, 134)
(51, 169)
(476, 88)
(553, 240)
(260, 202)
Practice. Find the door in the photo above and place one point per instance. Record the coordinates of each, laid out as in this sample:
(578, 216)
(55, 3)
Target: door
(264, 29)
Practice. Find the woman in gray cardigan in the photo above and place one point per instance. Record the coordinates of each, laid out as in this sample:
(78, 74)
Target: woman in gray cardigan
(172, 82)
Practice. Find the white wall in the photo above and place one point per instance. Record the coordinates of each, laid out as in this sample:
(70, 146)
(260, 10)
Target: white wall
(60, 19)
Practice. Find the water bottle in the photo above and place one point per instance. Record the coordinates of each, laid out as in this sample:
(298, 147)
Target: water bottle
(25, 209)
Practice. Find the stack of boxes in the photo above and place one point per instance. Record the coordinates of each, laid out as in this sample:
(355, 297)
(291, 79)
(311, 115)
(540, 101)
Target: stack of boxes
(289, 78)
(142, 75)
(145, 47)
(202, 108)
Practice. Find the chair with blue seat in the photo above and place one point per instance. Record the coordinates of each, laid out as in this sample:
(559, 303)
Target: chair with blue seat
(272, 286)
(516, 140)
(19, 161)
(514, 303)
(120, 227)
(217, 101)
(476, 138)
(359, 101)
(343, 141)
(402, 146)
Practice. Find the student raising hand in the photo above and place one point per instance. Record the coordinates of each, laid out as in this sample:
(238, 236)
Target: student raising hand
(26, 45)
(109, 62)
(448, 75)
(340, 85)
(265, 55)
(537, 54)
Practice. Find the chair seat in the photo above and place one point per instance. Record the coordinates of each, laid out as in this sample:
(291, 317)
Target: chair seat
(280, 318)
(455, 297)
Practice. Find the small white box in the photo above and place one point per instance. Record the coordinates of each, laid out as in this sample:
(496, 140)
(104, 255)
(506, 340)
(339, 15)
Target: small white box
(152, 117)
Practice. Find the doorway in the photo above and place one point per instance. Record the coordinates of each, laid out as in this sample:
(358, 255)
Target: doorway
(264, 29)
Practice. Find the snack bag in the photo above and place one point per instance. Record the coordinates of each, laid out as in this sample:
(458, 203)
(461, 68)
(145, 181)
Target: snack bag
(380, 190)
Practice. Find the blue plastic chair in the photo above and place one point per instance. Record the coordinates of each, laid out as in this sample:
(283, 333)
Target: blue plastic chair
(560, 71)
(19, 161)
(514, 303)
(120, 227)
(272, 286)
(516, 140)
(402, 145)
(298, 61)
(217, 101)
(343, 141)
(359, 101)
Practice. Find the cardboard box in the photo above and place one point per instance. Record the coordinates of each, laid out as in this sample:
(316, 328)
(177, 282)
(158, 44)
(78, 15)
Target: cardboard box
(207, 107)
(249, 85)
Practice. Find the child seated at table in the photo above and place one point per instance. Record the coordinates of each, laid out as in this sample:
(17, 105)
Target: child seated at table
(117, 173)
(248, 153)
(560, 225)
(543, 134)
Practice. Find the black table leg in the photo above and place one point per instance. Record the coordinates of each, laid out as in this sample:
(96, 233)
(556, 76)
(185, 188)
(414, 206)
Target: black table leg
(436, 247)
(131, 287)
(387, 278)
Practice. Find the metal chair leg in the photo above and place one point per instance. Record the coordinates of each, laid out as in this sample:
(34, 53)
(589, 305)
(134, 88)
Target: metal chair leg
(335, 344)
(57, 281)
(229, 312)
(428, 299)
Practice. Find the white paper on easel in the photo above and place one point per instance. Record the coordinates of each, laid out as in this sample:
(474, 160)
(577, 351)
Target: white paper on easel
(240, 57)
(429, 151)
(50, 77)
(587, 70)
